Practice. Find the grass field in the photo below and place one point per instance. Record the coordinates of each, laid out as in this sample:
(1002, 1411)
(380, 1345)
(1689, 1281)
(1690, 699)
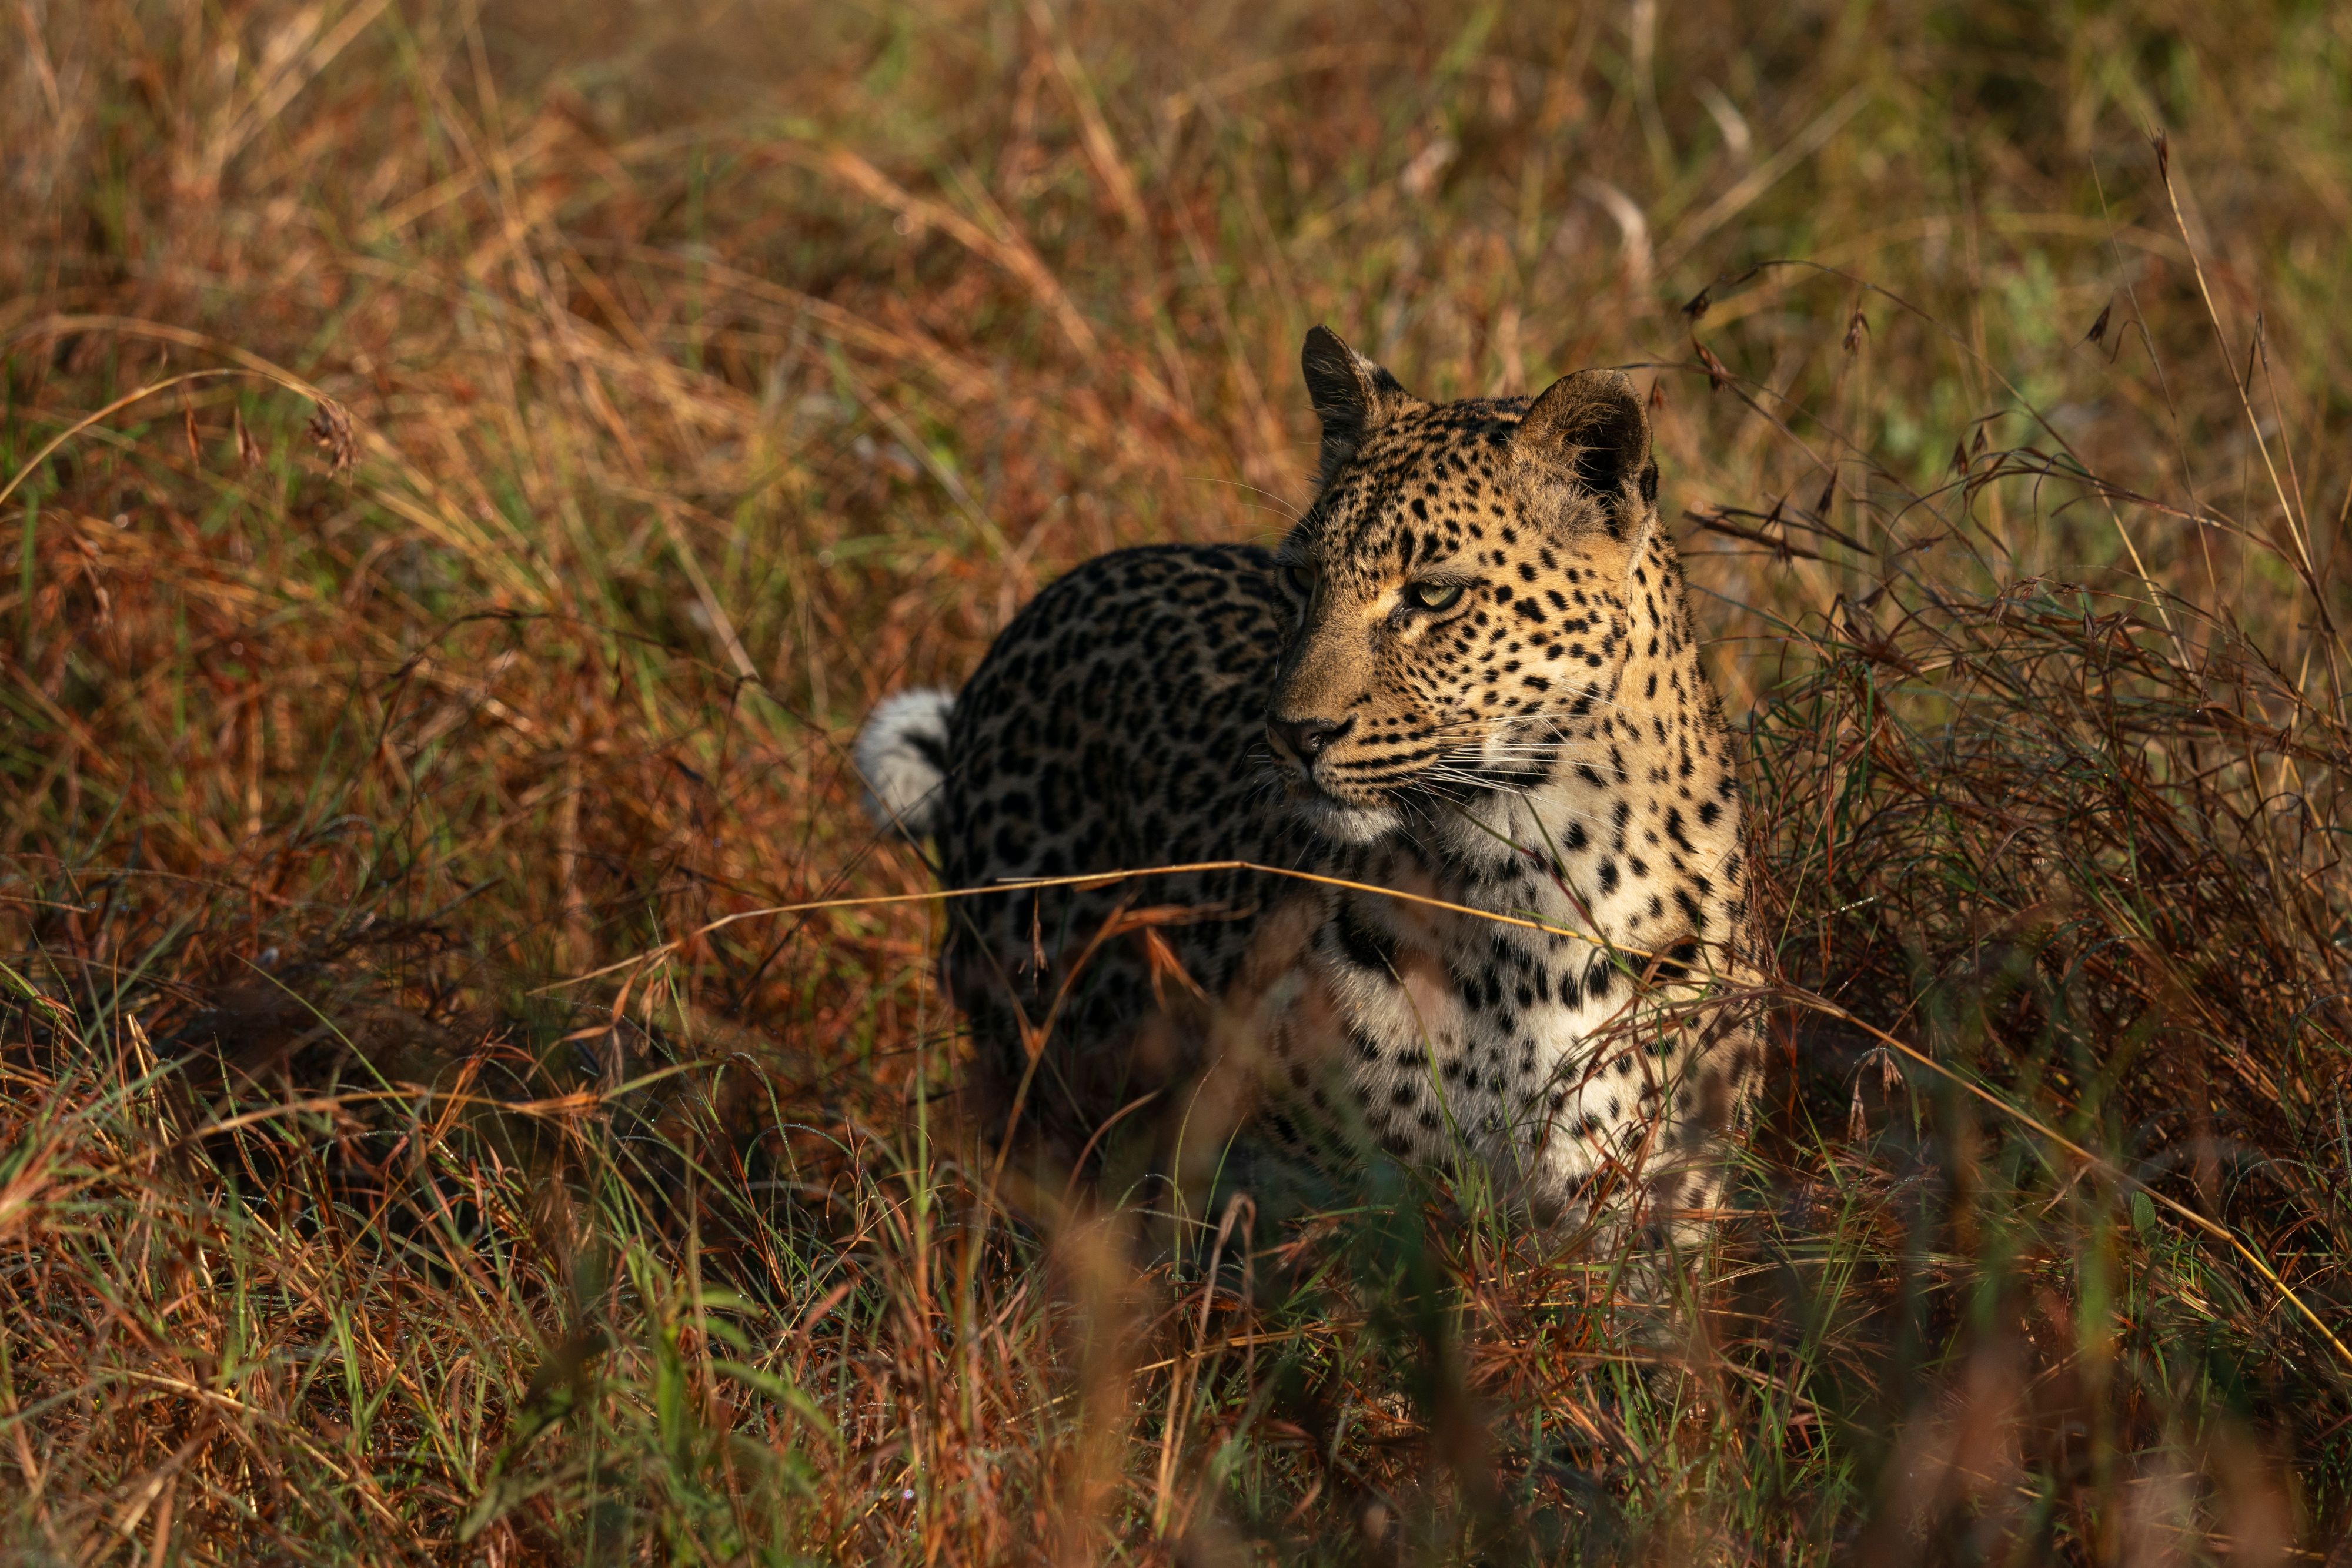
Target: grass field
(470, 467)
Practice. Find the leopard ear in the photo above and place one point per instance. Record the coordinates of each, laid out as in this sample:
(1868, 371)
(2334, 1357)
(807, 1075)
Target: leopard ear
(1588, 436)
(1352, 396)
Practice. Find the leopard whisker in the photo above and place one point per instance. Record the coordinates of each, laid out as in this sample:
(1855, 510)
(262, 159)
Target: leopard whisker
(1554, 719)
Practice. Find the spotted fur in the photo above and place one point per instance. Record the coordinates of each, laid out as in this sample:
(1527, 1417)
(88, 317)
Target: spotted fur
(1468, 674)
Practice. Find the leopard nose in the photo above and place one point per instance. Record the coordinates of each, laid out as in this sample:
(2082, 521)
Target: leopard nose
(1306, 738)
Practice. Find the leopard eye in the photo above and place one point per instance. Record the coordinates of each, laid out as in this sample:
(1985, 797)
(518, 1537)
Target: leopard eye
(1432, 595)
(1301, 579)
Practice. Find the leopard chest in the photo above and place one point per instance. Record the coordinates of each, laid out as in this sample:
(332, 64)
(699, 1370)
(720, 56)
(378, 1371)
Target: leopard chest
(1548, 1036)
(1457, 1035)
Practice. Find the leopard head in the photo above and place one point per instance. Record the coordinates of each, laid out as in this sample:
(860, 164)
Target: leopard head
(1459, 589)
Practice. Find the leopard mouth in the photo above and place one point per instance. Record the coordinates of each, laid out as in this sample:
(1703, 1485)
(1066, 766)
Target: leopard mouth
(1355, 819)
(1344, 823)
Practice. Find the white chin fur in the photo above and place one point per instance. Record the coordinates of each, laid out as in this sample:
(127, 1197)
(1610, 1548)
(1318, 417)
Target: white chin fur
(1346, 824)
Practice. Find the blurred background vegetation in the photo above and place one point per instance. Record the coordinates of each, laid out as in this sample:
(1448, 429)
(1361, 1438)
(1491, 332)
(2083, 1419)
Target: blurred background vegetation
(470, 466)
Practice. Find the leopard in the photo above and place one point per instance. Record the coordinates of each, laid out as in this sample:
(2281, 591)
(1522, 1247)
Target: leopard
(1414, 838)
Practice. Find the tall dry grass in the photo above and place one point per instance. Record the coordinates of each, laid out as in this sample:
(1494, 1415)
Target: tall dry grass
(472, 465)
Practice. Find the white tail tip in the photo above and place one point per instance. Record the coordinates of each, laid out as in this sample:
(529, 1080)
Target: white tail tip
(902, 755)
